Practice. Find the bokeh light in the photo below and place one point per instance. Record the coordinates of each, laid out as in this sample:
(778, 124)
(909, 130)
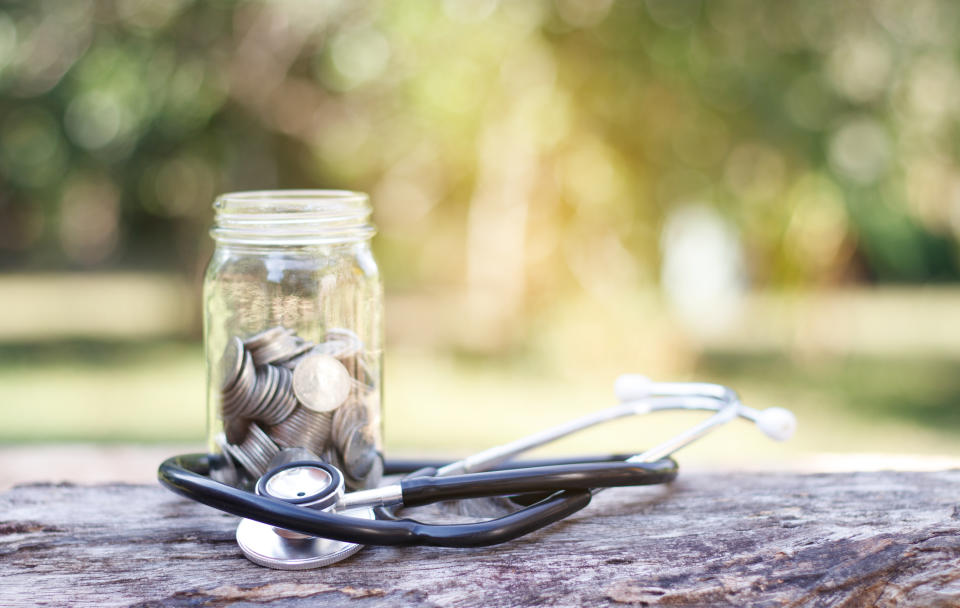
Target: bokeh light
(550, 178)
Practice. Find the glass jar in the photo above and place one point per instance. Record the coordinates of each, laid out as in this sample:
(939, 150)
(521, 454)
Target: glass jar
(293, 331)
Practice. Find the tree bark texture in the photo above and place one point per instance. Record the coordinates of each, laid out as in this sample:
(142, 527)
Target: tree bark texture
(724, 539)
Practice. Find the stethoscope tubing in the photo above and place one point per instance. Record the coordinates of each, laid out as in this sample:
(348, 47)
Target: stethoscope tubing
(424, 490)
(552, 489)
(187, 475)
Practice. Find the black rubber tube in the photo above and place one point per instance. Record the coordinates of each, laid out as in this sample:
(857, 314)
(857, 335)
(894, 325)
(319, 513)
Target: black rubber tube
(187, 475)
(580, 476)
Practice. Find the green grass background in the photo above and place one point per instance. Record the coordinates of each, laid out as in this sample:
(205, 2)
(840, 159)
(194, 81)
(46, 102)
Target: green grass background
(152, 391)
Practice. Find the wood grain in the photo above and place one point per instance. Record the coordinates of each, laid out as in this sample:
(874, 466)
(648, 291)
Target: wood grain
(733, 539)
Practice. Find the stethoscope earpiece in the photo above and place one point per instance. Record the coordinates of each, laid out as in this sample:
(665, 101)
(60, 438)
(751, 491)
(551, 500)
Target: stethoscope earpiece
(777, 423)
(629, 387)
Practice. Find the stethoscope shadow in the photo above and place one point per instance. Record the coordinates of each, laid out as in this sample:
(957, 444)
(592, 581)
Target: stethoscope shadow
(629, 501)
(606, 508)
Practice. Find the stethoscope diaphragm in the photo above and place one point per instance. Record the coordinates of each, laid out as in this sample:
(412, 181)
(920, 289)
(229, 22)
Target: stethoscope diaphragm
(263, 545)
(309, 484)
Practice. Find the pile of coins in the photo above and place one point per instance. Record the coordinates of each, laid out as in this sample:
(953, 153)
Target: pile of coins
(281, 391)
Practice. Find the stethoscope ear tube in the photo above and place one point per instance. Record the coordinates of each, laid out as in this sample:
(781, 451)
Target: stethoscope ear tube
(186, 475)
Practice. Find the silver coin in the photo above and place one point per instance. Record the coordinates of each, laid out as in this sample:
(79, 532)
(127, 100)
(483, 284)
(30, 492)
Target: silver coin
(271, 380)
(249, 370)
(239, 456)
(359, 453)
(279, 349)
(259, 449)
(331, 457)
(244, 370)
(287, 433)
(376, 473)
(288, 455)
(262, 354)
(313, 428)
(235, 429)
(364, 375)
(267, 412)
(301, 347)
(340, 343)
(303, 428)
(292, 362)
(224, 471)
(283, 402)
(342, 333)
(232, 400)
(264, 384)
(321, 383)
(268, 335)
(231, 364)
(246, 380)
(345, 418)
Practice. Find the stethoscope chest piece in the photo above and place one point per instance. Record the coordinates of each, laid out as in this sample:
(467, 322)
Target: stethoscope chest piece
(263, 545)
(313, 485)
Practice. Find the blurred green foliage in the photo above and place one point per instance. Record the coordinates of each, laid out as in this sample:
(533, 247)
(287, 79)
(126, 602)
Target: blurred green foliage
(520, 153)
(547, 138)
(116, 391)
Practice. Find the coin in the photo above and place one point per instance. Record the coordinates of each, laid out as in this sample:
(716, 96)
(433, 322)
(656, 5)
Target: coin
(283, 402)
(301, 347)
(271, 380)
(257, 340)
(283, 347)
(255, 452)
(233, 398)
(340, 343)
(264, 384)
(359, 452)
(330, 457)
(238, 455)
(373, 478)
(320, 382)
(352, 414)
(235, 429)
(303, 428)
(231, 364)
(288, 455)
(223, 469)
(259, 448)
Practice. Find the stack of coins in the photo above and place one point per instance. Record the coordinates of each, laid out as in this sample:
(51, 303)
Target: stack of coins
(281, 391)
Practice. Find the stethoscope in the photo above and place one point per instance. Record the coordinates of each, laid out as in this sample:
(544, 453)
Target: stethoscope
(300, 516)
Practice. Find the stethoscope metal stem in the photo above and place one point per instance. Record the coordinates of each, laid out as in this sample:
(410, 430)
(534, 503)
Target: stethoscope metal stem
(384, 496)
(483, 461)
(727, 411)
(669, 396)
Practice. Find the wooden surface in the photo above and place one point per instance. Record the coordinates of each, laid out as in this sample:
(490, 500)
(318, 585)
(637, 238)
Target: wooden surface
(864, 539)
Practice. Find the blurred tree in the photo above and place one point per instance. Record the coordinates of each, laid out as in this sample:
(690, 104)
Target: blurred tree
(514, 148)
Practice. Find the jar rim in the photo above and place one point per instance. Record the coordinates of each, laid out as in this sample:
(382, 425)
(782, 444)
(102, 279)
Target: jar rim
(292, 217)
(319, 200)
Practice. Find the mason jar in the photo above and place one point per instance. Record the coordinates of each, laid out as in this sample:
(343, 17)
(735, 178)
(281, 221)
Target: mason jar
(293, 333)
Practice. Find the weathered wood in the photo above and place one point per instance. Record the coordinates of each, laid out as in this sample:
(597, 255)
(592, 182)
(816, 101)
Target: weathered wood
(867, 539)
